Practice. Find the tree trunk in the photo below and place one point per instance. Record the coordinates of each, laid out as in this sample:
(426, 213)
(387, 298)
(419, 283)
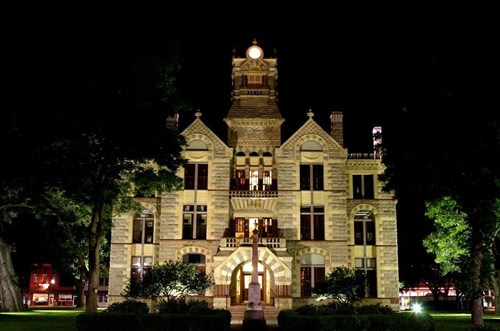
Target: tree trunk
(477, 260)
(11, 298)
(477, 312)
(96, 236)
(496, 290)
(80, 290)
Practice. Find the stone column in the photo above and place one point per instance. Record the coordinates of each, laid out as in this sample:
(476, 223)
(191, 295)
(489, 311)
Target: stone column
(254, 308)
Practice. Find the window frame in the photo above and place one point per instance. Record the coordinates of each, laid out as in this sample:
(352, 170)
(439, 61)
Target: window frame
(312, 222)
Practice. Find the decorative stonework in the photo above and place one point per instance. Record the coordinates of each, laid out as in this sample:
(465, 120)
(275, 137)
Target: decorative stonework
(254, 125)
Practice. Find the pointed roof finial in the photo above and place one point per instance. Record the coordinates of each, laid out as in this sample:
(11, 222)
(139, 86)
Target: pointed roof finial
(310, 113)
(197, 114)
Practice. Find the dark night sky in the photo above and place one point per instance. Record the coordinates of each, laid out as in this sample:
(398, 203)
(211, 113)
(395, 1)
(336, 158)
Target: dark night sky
(368, 61)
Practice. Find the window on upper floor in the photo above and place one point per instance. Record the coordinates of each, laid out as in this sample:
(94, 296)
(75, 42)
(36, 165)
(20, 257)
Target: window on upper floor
(362, 187)
(196, 176)
(364, 228)
(312, 273)
(311, 177)
(312, 223)
(254, 179)
(143, 229)
(194, 222)
(267, 180)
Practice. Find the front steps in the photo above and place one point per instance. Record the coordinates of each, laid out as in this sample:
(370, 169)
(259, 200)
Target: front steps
(238, 313)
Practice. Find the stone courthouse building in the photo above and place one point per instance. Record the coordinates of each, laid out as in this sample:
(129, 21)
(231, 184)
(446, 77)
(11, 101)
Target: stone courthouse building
(315, 206)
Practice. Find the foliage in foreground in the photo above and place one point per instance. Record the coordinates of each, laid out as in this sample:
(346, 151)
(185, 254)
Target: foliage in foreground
(169, 281)
(128, 306)
(343, 284)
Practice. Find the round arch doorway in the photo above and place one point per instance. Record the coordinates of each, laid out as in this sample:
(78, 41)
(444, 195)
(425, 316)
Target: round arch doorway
(242, 278)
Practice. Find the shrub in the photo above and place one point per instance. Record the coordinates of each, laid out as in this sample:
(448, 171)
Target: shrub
(374, 309)
(181, 306)
(307, 310)
(128, 306)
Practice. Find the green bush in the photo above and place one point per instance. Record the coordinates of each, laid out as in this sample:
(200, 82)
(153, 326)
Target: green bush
(291, 320)
(337, 308)
(307, 310)
(181, 306)
(128, 306)
(218, 320)
(374, 309)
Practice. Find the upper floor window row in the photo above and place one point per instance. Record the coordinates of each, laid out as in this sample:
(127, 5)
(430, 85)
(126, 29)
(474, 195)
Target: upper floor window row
(362, 187)
(143, 228)
(311, 177)
(196, 176)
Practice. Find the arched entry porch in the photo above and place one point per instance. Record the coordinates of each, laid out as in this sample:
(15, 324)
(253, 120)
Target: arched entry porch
(232, 274)
(241, 278)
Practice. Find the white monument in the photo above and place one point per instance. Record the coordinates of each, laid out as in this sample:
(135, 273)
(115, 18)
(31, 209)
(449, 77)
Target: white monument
(254, 308)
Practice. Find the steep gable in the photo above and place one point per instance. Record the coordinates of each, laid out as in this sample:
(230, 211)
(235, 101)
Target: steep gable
(198, 130)
(311, 130)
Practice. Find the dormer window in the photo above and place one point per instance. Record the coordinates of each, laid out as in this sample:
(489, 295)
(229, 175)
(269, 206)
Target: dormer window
(254, 79)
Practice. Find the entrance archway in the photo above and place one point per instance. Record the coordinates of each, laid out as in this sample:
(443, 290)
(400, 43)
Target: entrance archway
(243, 277)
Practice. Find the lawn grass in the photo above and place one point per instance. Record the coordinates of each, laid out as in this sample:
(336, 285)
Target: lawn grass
(40, 320)
(65, 320)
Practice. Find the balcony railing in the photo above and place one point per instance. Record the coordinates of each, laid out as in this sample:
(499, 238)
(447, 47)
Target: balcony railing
(253, 194)
(271, 242)
(377, 155)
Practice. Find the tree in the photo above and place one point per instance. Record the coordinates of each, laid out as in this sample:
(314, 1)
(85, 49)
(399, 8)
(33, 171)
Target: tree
(65, 228)
(91, 110)
(171, 280)
(450, 241)
(436, 145)
(344, 284)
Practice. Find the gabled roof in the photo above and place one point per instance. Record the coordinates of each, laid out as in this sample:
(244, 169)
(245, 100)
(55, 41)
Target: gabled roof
(198, 127)
(312, 130)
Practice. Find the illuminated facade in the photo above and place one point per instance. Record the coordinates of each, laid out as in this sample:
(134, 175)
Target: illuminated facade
(315, 205)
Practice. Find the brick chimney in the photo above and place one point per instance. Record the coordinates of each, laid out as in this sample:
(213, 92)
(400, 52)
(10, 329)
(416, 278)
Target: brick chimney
(173, 121)
(336, 121)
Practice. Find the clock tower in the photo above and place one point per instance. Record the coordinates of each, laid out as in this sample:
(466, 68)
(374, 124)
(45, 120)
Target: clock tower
(254, 120)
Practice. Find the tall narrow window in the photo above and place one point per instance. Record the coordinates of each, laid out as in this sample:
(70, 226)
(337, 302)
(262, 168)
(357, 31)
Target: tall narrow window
(194, 222)
(368, 265)
(196, 176)
(311, 177)
(140, 265)
(267, 180)
(254, 179)
(362, 187)
(240, 181)
(312, 223)
(143, 229)
(364, 228)
(312, 273)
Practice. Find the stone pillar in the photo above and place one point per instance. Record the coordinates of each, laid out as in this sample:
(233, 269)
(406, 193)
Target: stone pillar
(254, 308)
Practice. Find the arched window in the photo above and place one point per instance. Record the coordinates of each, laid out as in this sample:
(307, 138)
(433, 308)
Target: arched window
(364, 228)
(311, 145)
(197, 145)
(195, 258)
(143, 229)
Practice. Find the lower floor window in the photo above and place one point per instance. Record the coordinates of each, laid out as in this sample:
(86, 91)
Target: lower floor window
(312, 273)
(368, 265)
(140, 265)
